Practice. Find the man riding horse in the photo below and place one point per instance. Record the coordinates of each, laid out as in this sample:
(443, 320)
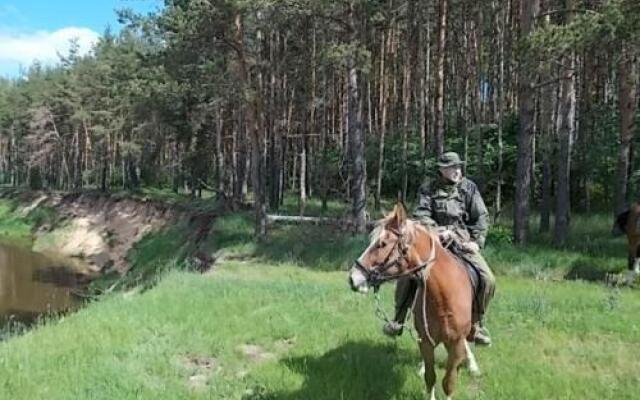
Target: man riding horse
(452, 204)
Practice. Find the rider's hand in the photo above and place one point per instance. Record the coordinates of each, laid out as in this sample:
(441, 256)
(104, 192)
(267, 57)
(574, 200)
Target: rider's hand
(471, 247)
(445, 235)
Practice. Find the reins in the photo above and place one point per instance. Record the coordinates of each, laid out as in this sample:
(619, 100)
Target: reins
(376, 277)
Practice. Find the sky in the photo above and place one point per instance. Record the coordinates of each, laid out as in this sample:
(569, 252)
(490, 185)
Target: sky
(40, 29)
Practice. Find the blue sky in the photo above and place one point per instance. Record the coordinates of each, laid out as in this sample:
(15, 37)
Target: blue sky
(37, 29)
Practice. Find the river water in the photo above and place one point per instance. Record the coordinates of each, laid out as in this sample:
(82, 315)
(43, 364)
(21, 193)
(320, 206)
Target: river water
(32, 284)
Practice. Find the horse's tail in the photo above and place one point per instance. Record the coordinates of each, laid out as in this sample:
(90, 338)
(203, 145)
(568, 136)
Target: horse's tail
(620, 224)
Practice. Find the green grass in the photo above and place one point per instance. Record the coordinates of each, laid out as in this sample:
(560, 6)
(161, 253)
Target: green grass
(555, 338)
(317, 247)
(317, 340)
(17, 227)
(14, 227)
(157, 252)
(291, 206)
(590, 254)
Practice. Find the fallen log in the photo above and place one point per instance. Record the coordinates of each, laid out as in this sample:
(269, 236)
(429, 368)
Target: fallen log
(294, 219)
(291, 219)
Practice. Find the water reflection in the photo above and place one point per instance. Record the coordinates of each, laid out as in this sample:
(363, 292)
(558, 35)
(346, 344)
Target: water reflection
(32, 283)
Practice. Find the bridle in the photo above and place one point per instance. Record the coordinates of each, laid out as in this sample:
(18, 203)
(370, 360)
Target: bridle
(378, 275)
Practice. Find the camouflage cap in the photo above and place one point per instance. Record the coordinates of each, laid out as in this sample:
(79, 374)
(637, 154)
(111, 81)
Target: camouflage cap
(449, 159)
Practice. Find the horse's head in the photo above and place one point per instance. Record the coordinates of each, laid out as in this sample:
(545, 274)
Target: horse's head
(392, 252)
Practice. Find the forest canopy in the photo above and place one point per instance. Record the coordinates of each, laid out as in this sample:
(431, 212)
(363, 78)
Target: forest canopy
(347, 100)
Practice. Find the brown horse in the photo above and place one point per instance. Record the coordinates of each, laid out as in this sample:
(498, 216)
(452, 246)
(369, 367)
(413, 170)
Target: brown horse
(443, 304)
(628, 223)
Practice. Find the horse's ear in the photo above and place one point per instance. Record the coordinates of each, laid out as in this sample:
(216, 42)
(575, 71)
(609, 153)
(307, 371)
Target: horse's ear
(400, 201)
(400, 215)
(404, 206)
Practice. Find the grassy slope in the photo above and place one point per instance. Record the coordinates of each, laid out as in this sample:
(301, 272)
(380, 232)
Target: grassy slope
(12, 226)
(554, 339)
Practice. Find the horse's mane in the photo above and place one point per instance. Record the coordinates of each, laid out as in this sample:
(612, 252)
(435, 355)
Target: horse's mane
(410, 229)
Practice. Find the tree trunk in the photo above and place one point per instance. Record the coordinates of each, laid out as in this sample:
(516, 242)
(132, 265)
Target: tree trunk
(383, 123)
(356, 136)
(501, 26)
(528, 12)
(252, 126)
(566, 133)
(627, 106)
(405, 127)
(303, 176)
(440, 76)
(323, 149)
(548, 113)
(220, 176)
(545, 202)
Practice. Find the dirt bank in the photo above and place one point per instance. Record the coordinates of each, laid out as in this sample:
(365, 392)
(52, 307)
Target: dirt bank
(103, 228)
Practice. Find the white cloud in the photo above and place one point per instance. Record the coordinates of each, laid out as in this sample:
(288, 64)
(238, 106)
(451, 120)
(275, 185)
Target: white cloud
(24, 48)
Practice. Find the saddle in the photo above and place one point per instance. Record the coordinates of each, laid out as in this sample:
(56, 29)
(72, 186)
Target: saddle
(477, 284)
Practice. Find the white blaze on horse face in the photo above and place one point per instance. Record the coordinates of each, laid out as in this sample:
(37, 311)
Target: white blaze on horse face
(358, 280)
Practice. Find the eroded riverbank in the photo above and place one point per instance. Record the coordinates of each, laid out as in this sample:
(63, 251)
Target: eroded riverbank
(103, 229)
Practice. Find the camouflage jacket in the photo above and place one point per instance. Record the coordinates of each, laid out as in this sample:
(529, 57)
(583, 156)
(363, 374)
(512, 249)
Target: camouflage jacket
(456, 206)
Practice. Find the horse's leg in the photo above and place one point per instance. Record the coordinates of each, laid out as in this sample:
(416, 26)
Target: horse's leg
(457, 353)
(636, 257)
(472, 364)
(428, 356)
(633, 272)
(634, 264)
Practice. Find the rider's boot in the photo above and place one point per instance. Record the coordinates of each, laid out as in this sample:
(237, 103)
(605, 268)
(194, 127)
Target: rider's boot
(405, 291)
(481, 335)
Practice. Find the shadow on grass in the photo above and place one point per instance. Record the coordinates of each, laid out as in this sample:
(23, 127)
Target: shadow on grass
(590, 236)
(355, 370)
(591, 247)
(155, 254)
(587, 270)
(316, 247)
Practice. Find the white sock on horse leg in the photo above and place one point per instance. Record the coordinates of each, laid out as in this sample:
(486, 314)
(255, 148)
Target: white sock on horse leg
(472, 364)
(633, 273)
(631, 277)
